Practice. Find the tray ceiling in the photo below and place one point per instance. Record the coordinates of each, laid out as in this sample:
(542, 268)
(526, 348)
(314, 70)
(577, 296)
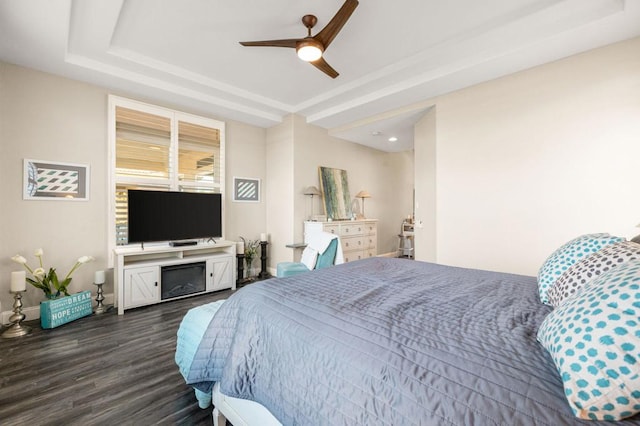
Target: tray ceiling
(390, 55)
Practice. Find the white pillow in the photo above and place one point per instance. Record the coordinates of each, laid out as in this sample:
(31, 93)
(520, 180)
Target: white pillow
(309, 257)
(594, 340)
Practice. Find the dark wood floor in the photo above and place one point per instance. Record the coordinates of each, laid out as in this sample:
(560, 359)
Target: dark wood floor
(101, 370)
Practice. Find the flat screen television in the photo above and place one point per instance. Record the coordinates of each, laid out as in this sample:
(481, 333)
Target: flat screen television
(173, 216)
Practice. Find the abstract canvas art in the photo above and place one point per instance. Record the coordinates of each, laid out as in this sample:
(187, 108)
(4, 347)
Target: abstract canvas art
(46, 180)
(335, 190)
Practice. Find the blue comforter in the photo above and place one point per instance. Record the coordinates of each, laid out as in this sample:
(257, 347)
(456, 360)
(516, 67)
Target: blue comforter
(387, 342)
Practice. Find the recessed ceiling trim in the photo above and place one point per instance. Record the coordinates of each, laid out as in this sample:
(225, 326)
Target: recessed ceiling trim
(472, 56)
(164, 67)
(417, 108)
(396, 88)
(130, 46)
(424, 55)
(155, 83)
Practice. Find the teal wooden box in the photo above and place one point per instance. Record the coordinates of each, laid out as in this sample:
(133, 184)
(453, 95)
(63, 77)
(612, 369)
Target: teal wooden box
(57, 312)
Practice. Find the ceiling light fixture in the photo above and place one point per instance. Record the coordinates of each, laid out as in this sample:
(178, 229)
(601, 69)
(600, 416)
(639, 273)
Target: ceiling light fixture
(378, 133)
(309, 50)
(393, 139)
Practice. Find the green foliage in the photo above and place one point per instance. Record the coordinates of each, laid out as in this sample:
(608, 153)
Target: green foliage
(49, 282)
(251, 248)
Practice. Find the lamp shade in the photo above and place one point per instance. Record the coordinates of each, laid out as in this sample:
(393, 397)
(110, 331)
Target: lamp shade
(363, 194)
(311, 190)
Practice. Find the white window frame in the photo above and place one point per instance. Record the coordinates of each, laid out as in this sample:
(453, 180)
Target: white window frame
(173, 181)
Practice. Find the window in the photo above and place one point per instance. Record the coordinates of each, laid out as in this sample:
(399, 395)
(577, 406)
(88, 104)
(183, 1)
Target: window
(155, 148)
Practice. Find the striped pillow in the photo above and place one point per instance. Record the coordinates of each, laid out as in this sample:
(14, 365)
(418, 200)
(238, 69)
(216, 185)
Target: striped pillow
(578, 275)
(567, 255)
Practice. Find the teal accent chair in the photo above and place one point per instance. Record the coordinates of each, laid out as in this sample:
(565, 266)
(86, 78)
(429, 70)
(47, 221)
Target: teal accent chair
(326, 259)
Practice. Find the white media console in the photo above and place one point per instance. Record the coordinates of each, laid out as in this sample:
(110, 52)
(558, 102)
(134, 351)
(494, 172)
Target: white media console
(138, 271)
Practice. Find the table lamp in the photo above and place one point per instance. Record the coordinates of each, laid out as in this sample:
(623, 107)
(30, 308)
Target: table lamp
(363, 194)
(311, 190)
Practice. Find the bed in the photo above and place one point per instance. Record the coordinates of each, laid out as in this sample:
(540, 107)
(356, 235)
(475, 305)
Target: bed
(381, 341)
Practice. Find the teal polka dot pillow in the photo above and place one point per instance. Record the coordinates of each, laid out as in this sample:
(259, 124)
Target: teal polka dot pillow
(589, 268)
(570, 253)
(594, 340)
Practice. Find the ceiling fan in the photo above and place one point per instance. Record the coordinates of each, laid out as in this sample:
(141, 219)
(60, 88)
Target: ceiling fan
(311, 48)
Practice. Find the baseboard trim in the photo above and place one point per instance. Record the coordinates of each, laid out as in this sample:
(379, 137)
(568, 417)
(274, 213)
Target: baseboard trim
(33, 312)
(390, 254)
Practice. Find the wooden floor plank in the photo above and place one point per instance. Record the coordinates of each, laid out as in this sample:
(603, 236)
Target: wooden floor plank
(105, 369)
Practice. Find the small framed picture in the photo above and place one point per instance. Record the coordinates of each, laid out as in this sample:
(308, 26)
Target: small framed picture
(50, 180)
(246, 190)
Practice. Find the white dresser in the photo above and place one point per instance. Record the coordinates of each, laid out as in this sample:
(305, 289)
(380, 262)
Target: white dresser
(359, 238)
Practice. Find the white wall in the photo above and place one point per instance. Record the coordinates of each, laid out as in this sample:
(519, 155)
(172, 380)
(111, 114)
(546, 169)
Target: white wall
(47, 117)
(531, 160)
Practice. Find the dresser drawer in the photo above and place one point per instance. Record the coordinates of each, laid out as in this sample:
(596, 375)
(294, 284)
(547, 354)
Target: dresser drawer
(370, 228)
(351, 229)
(332, 229)
(370, 242)
(352, 243)
(370, 253)
(352, 256)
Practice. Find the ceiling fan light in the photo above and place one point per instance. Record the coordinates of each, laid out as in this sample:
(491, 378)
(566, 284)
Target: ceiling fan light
(309, 50)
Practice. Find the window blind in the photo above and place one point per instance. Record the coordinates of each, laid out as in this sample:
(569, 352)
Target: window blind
(150, 156)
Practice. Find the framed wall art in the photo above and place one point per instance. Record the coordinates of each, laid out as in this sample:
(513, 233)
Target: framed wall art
(246, 190)
(334, 186)
(52, 180)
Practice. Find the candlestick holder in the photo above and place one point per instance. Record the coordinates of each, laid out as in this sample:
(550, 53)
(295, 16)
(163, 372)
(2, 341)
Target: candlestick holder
(100, 308)
(263, 260)
(16, 329)
(240, 262)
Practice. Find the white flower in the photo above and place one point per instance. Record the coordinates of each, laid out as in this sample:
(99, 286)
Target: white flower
(39, 273)
(38, 253)
(85, 259)
(19, 259)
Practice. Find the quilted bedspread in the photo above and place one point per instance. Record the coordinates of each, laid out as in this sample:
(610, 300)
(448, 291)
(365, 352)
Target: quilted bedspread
(387, 342)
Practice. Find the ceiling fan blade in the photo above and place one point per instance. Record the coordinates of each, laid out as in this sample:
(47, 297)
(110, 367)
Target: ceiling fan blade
(331, 30)
(273, 43)
(323, 66)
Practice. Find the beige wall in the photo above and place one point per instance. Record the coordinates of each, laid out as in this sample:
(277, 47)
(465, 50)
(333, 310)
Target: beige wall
(52, 118)
(388, 177)
(425, 173)
(533, 159)
(522, 164)
(245, 153)
(296, 149)
(280, 190)
(46, 117)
